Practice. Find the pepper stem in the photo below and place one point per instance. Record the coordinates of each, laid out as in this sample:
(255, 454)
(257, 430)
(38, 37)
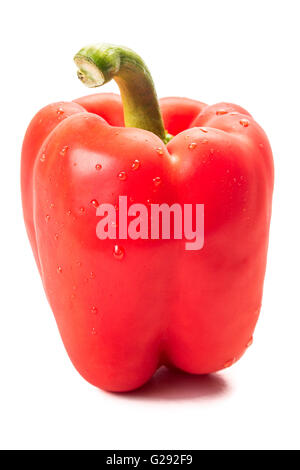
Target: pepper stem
(99, 63)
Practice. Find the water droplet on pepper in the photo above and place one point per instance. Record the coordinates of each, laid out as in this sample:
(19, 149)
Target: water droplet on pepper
(229, 363)
(221, 112)
(118, 252)
(95, 203)
(136, 165)
(192, 145)
(122, 175)
(157, 181)
(64, 150)
(244, 122)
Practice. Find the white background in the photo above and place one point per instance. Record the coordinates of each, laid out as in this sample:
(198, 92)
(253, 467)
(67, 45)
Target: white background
(244, 52)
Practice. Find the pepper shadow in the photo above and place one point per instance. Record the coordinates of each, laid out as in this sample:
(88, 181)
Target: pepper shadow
(172, 384)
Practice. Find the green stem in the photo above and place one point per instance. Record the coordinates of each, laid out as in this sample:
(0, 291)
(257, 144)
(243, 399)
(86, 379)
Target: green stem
(99, 63)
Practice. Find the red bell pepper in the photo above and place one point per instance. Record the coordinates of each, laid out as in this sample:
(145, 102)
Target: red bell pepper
(125, 307)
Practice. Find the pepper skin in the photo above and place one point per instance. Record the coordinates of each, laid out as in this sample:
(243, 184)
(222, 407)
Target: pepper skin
(125, 307)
